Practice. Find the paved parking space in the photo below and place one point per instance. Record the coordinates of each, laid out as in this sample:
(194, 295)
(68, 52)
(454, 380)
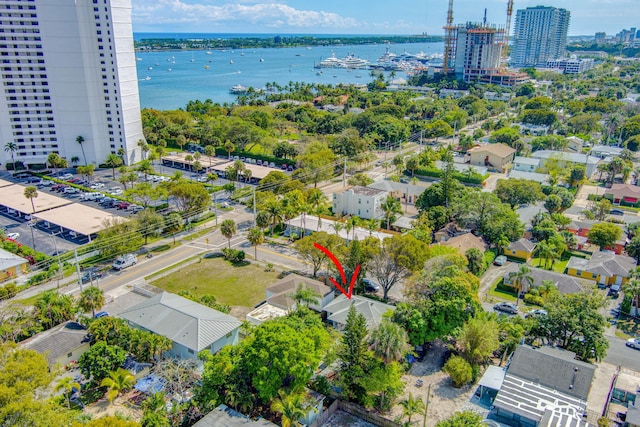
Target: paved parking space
(45, 242)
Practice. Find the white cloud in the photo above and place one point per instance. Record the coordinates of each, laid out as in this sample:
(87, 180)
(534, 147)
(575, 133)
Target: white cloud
(265, 15)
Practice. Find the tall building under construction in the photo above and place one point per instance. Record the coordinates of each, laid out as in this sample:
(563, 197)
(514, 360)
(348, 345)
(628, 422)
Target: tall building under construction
(477, 51)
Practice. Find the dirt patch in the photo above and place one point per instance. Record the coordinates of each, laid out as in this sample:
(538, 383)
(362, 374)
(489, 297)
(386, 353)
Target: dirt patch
(120, 406)
(444, 399)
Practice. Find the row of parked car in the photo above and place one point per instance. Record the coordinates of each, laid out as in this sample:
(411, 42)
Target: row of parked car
(265, 163)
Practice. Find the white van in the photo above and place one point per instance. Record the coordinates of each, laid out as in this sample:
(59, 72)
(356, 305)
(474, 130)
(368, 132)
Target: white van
(124, 261)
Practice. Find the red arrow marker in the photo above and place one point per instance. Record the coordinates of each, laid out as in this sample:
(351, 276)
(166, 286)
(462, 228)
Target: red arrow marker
(333, 258)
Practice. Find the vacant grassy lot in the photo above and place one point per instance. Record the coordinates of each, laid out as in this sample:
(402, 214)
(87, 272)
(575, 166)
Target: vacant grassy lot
(234, 285)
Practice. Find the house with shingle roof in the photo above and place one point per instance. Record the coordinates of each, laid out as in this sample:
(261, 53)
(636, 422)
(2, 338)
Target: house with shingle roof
(521, 249)
(625, 194)
(466, 241)
(372, 310)
(495, 156)
(279, 300)
(60, 345)
(565, 284)
(192, 327)
(604, 267)
(544, 387)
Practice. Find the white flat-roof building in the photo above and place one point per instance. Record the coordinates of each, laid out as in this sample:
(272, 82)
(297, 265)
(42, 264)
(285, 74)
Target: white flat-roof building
(568, 159)
(364, 202)
(69, 70)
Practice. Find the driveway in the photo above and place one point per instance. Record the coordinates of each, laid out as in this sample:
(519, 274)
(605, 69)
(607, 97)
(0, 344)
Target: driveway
(489, 278)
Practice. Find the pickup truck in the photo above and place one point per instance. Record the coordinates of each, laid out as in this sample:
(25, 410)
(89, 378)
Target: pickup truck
(124, 261)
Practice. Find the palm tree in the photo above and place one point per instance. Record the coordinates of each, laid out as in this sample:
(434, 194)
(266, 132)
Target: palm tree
(354, 221)
(411, 406)
(255, 236)
(305, 296)
(91, 299)
(144, 147)
(117, 382)
(229, 147)
(273, 207)
(632, 288)
(546, 252)
(31, 193)
(389, 342)
(67, 385)
(390, 207)
(113, 161)
(228, 229)
(291, 408)
(210, 151)
(519, 277)
(11, 147)
(337, 227)
(372, 225)
(502, 243)
(80, 140)
(75, 160)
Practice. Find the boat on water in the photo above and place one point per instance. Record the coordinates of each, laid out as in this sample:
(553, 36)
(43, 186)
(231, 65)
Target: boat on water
(149, 68)
(169, 69)
(231, 61)
(261, 59)
(238, 89)
(156, 64)
(209, 52)
(350, 61)
(206, 67)
(147, 78)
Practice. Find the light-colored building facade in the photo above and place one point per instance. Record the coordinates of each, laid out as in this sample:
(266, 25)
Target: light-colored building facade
(364, 202)
(571, 65)
(69, 70)
(494, 156)
(540, 35)
(567, 160)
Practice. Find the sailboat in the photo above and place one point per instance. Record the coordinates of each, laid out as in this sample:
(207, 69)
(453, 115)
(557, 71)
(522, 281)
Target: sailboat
(192, 58)
(231, 61)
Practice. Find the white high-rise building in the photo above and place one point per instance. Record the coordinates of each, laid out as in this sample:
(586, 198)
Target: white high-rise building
(540, 35)
(68, 71)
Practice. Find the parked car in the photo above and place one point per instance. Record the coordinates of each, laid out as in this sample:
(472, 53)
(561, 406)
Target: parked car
(13, 236)
(283, 166)
(506, 307)
(90, 276)
(633, 343)
(124, 261)
(135, 208)
(500, 260)
(96, 185)
(259, 162)
(616, 212)
(71, 190)
(66, 176)
(122, 205)
(116, 191)
(536, 313)
(614, 291)
(290, 168)
(272, 165)
(101, 314)
(370, 285)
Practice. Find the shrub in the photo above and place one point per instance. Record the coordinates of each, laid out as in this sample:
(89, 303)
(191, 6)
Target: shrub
(533, 299)
(459, 370)
(233, 255)
(321, 384)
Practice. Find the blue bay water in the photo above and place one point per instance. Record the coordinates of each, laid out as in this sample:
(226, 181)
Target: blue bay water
(170, 79)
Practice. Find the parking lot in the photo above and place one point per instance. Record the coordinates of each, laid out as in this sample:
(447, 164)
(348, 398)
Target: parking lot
(46, 242)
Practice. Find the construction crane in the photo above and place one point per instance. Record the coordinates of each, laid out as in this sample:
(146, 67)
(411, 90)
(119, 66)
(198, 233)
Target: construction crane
(449, 35)
(507, 31)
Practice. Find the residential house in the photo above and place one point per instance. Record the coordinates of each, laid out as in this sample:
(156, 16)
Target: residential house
(536, 130)
(372, 310)
(604, 151)
(11, 265)
(581, 228)
(623, 194)
(495, 156)
(565, 284)
(448, 231)
(606, 268)
(521, 249)
(279, 298)
(453, 93)
(406, 193)
(541, 178)
(364, 202)
(574, 144)
(495, 96)
(544, 387)
(568, 160)
(60, 345)
(223, 416)
(525, 164)
(192, 327)
(464, 242)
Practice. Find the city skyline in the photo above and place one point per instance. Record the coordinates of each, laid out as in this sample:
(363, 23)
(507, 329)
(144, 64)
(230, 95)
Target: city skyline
(339, 17)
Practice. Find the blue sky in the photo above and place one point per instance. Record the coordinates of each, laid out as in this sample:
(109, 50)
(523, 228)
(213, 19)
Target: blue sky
(362, 17)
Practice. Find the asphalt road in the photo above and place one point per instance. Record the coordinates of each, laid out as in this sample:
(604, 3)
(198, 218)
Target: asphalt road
(621, 355)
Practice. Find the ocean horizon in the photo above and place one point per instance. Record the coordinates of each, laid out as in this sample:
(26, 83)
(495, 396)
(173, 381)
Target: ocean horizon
(141, 35)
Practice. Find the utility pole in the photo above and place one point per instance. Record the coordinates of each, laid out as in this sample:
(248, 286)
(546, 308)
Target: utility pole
(215, 205)
(344, 173)
(255, 222)
(75, 254)
(426, 407)
(55, 246)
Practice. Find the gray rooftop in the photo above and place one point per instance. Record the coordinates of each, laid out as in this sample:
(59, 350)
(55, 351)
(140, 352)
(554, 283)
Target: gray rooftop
(570, 157)
(389, 186)
(58, 341)
(526, 161)
(522, 245)
(181, 320)
(554, 368)
(542, 178)
(367, 191)
(223, 416)
(604, 263)
(565, 284)
(633, 412)
(279, 294)
(372, 310)
(9, 260)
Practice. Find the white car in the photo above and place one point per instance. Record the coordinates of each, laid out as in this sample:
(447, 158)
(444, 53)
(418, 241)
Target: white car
(116, 192)
(96, 185)
(13, 236)
(634, 343)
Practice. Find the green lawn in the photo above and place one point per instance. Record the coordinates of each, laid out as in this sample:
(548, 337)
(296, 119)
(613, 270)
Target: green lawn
(501, 294)
(558, 266)
(234, 285)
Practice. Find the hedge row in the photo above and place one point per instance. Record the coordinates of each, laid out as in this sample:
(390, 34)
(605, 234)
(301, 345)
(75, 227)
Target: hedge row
(474, 178)
(220, 151)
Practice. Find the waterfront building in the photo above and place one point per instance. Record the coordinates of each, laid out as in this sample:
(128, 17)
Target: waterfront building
(540, 35)
(478, 51)
(68, 71)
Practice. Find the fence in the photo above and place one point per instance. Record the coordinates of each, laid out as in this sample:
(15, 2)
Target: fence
(355, 410)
